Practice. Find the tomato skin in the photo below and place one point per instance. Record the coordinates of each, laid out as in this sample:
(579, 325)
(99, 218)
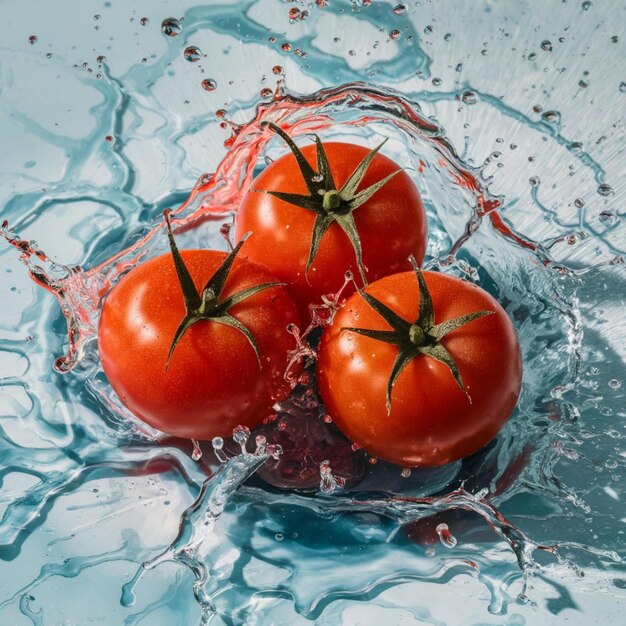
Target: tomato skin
(432, 421)
(213, 382)
(392, 225)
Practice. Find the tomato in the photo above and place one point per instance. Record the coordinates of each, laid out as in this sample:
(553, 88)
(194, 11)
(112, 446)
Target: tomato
(387, 227)
(407, 396)
(214, 379)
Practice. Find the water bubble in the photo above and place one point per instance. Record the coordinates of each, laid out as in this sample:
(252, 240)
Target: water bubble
(279, 536)
(532, 56)
(537, 108)
(445, 536)
(469, 97)
(605, 190)
(546, 45)
(447, 36)
(459, 67)
(272, 39)
(429, 29)
(193, 54)
(622, 87)
(208, 84)
(275, 450)
(430, 552)
(266, 92)
(579, 203)
(586, 6)
(144, 21)
(97, 17)
(484, 52)
(101, 59)
(109, 138)
(406, 472)
(294, 14)
(399, 9)
(278, 69)
(394, 34)
(286, 47)
(436, 81)
(583, 84)
(551, 117)
(534, 181)
(261, 445)
(171, 27)
(614, 383)
(218, 445)
(32, 39)
(351, 53)
(614, 39)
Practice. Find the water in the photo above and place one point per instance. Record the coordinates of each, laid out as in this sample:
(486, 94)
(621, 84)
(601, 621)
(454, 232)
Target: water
(528, 531)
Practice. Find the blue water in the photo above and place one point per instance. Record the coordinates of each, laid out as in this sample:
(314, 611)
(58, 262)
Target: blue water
(100, 521)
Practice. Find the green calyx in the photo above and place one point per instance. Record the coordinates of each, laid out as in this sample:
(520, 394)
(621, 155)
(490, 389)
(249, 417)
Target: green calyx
(422, 337)
(209, 305)
(331, 205)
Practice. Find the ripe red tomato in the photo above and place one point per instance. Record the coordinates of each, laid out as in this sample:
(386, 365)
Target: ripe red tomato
(431, 419)
(391, 224)
(214, 380)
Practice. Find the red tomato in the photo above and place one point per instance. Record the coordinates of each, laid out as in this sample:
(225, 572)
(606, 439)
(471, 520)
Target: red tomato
(214, 380)
(431, 420)
(391, 224)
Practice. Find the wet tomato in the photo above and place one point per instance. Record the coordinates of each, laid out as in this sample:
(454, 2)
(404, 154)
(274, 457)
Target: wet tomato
(420, 369)
(195, 343)
(319, 211)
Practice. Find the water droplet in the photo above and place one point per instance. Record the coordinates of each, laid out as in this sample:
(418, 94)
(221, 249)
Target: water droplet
(484, 52)
(193, 54)
(351, 53)
(436, 81)
(278, 69)
(279, 536)
(579, 203)
(32, 39)
(447, 36)
(546, 45)
(144, 21)
(218, 445)
(622, 87)
(459, 67)
(469, 97)
(614, 383)
(101, 59)
(272, 39)
(534, 181)
(196, 454)
(208, 84)
(586, 6)
(583, 84)
(429, 29)
(605, 190)
(171, 27)
(109, 138)
(266, 92)
(532, 56)
(286, 47)
(97, 17)
(395, 34)
(48, 55)
(328, 419)
(430, 552)
(446, 538)
(614, 39)
(294, 14)
(399, 9)
(406, 472)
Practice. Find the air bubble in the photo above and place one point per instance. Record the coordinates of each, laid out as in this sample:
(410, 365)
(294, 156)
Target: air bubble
(33, 39)
(469, 97)
(286, 47)
(436, 81)
(278, 69)
(579, 203)
(144, 21)
(546, 45)
(266, 92)
(428, 29)
(193, 54)
(622, 87)
(586, 6)
(534, 181)
(445, 536)
(447, 36)
(399, 9)
(614, 383)
(608, 217)
(551, 117)
(406, 472)
(395, 34)
(605, 190)
(196, 454)
(171, 27)
(208, 84)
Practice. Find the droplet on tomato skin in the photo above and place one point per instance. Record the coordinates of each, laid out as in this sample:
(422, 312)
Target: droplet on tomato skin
(445, 536)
